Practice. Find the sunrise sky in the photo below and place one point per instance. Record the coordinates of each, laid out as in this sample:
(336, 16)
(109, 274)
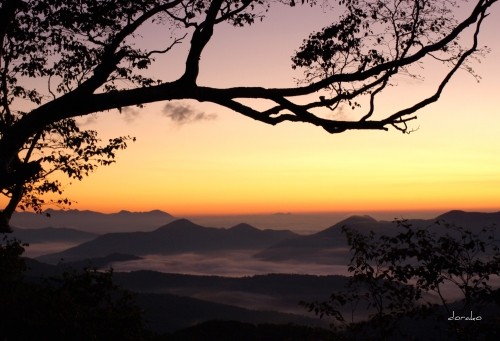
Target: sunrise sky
(229, 164)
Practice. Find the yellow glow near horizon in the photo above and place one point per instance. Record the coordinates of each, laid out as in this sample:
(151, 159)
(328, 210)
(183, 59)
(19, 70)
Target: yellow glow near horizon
(270, 169)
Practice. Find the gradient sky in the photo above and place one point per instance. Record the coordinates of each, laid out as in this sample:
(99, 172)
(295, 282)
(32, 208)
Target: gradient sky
(228, 164)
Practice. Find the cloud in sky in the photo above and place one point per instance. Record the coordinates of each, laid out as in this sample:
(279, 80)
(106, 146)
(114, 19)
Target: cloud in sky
(129, 114)
(340, 114)
(183, 113)
(86, 120)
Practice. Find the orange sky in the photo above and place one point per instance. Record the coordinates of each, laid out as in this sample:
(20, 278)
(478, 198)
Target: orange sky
(230, 164)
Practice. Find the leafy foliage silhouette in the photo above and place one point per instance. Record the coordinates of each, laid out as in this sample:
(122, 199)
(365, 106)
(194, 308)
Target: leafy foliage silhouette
(407, 276)
(63, 59)
(79, 305)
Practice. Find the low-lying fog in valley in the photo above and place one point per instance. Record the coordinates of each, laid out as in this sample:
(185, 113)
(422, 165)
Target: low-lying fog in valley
(230, 264)
(34, 250)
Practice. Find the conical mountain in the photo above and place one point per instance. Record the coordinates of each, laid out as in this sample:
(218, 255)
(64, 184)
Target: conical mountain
(471, 220)
(322, 246)
(179, 236)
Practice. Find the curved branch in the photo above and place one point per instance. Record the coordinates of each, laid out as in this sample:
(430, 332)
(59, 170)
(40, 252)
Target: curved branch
(479, 10)
(199, 40)
(431, 99)
(110, 57)
(168, 48)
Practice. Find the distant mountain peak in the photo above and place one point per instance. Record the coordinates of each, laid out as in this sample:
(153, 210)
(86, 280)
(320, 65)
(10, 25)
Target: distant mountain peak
(52, 211)
(159, 212)
(182, 221)
(363, 220)
(460, 213)
(179, 224)
(62, 211)
(153, 212)
(357, 219)
(98, 222)
(470, 219)
(451, 213)
(456, 211)
(243, 227)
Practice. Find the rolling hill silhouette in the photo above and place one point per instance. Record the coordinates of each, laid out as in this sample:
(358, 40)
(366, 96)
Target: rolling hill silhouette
(471, 220)
(179, 236)
(279, 292)
(166, 311)
(330, 245)
(52, 234)
(183, 236)
(96, 222)
(323, 246)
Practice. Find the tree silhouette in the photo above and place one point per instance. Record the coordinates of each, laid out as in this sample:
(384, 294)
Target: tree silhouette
(77, 305)
(410, 275)
(85, 54)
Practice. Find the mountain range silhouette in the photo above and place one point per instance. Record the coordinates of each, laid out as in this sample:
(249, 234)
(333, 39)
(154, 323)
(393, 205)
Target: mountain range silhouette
(91, 221)
(179, 236)
(183, 236)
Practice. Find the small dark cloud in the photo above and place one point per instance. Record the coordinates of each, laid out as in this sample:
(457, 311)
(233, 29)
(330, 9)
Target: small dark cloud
(129, 114)
(340, 114)
(86, 120)
(183, 113)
